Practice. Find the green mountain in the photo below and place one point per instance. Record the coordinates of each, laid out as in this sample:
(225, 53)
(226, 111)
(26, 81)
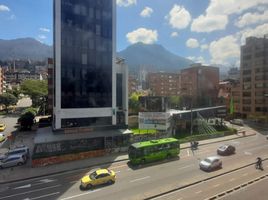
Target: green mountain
(24, 48)
(153, 57)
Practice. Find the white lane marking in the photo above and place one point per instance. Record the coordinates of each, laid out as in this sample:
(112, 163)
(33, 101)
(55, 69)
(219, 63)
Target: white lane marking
(217, 185)
(198, 192)
(247, 153)
(245, 174)
(232, 179)
(46, 180)
(139, 179)
(73, 182)
(43, 181)
(46, 195)
(188, 153)
(78, 195)
(128, 169)
(23, 186)
(13, 195)
(117, 172)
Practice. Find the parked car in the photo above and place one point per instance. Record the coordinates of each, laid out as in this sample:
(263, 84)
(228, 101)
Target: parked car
(238, 122)
(24, 150)
(13, 160)
(2, 137)
(98, 177)
(2, 126)
(226, 150)
(210, 163)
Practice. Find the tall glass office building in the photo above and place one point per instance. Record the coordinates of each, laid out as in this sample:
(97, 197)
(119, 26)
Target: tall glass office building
(86, 89)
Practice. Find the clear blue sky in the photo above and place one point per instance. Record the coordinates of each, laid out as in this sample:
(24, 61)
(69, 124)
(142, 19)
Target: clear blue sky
(207, 31)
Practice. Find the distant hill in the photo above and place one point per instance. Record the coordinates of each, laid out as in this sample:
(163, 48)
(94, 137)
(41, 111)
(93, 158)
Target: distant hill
(153, 57)
(24, 48)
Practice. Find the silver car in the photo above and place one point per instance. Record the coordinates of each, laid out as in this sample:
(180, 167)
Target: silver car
(13, 160)
(210, 163)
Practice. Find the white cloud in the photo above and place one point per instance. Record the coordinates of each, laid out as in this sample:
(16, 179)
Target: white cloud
(216, 16)
(146, 12)
(258, 31)
(179, 17)
(224, 50)
(143, 35)
(228, 7)
(126, 3)
(198, 59)
(204, 47)
(252, 18)
(44, 29)
(192, 43)
(42, 37)
(174, 34)
(209, 23)
(4, 8)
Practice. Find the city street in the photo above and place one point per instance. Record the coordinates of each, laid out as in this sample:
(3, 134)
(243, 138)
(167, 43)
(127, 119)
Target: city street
(181, 176)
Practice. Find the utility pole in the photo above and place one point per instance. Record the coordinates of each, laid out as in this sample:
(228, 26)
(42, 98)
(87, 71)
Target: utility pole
(191, 131)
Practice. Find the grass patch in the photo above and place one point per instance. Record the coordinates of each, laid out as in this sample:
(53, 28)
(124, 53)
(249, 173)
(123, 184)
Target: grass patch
(185, 137)
(143, 131)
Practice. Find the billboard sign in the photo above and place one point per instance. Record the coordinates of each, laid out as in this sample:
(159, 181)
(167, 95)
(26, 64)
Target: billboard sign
(154, 120)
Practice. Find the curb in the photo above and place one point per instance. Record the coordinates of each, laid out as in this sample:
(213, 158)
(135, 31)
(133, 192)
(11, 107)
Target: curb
(221, 140)
(104, 163)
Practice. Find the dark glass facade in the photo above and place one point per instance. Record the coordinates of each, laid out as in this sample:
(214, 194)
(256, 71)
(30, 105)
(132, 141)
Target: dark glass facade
(82, 122)
(86, 53)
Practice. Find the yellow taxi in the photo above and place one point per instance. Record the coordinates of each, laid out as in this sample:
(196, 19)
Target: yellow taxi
(98, 177)
(2, 127)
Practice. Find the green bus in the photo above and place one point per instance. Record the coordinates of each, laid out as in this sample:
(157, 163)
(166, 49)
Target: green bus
(152, 150)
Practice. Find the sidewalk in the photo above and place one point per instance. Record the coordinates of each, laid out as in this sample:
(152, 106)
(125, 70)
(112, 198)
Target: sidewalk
(26, 172)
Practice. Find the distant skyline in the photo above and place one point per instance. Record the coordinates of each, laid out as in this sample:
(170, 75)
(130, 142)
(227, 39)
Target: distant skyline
(206, 31)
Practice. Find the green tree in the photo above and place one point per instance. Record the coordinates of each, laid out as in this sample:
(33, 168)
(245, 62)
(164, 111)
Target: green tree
(134, 102)
(174, 101)
(37, 90)
(7, 100)
(15, 91)
(26, 119)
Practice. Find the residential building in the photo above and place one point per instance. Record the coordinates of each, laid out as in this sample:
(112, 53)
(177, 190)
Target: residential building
(90, 87)
(254, 78)
(2, 81)
(236, 96)
(200, 83)
(164, 84)
(132, 84)
(18, 77)
(233, 73)
(50, 84)
(230, 89)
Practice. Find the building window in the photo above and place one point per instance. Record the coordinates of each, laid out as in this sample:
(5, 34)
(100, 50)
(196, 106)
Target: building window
(246, 101)
(246, 94)
(259, 85)
(246, 109)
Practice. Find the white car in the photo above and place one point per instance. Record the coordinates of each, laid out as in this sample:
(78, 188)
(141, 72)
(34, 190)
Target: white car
(13, 160)
(210, 163)
(2, 137)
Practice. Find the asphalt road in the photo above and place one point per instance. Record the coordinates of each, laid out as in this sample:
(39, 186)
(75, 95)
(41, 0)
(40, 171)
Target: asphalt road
(153, 179)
